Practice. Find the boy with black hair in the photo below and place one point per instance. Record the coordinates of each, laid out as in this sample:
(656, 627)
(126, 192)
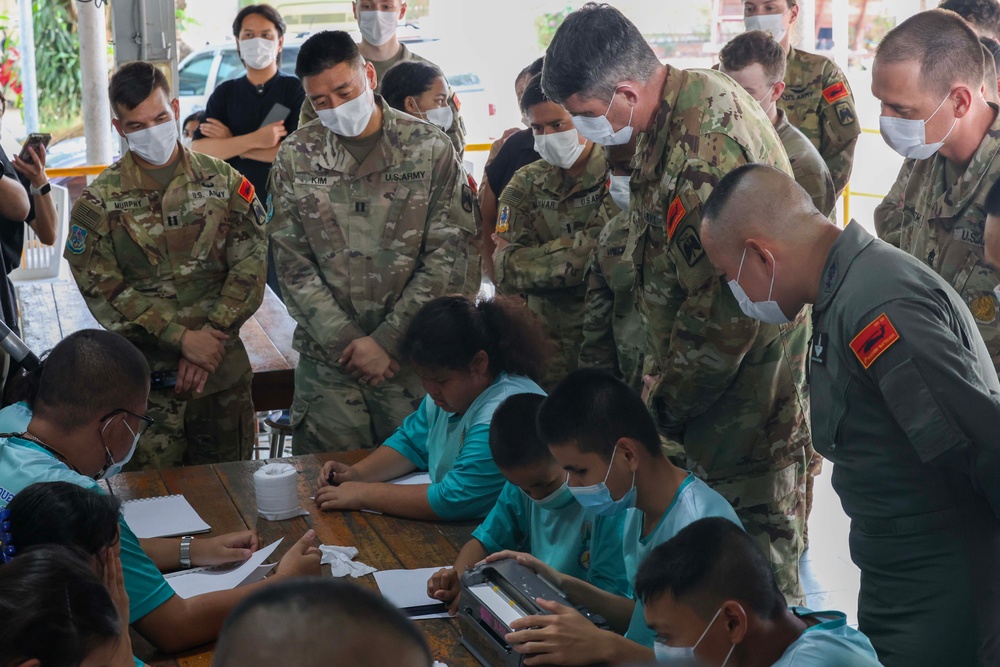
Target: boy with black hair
(710, 594)
(601, 433)
(536, 512)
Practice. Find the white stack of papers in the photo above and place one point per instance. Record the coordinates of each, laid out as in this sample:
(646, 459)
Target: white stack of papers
(407, 590)
(164, 516)
(189, 583)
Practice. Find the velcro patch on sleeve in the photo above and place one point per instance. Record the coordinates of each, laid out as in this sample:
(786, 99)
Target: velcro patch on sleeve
(246, 190)
(874, 339)
(87, 214)
(503, 223)
(837, 91)
(675, 214)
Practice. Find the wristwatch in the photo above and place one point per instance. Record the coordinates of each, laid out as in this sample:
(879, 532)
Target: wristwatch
(186, 551)
(44, 190)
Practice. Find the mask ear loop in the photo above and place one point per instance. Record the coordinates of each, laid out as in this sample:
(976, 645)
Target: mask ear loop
(774, 272)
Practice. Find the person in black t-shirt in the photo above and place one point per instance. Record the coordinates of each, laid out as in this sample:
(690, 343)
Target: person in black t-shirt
(234, 128)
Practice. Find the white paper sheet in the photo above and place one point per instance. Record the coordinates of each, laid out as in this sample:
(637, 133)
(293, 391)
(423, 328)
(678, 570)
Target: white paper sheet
(188, 583)
(164, 516)
(407, 480)
(406, 589)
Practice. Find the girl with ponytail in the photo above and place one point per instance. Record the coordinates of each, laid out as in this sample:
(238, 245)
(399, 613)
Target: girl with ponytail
(470, 357)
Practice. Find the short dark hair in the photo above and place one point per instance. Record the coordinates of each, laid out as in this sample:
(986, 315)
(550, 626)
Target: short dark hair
(594, 409)
(325, 50)
(724, 190)
(707, 562)
(54, 607)
(309, 614)
(992, 47)
(266, 11)
(944, 45)
(533, 94)
(408, 78)
(594, 50)
(754, 46)
(532, 70)
(87, 375)
(133, 83)
(981, 13)
(514, 441)
(64, 513)
(449, 331)
(197, 116)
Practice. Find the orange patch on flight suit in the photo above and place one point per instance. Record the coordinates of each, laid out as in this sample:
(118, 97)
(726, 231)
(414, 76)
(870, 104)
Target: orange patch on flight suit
(873, 340)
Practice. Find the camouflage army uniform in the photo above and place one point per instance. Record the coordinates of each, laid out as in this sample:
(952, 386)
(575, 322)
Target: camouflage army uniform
(819, 102)
(457, 130)
(614, 337)
(730, 388)
(936, 214)
(807, 165)
(360, 249)
(552, 223)
(154, 262)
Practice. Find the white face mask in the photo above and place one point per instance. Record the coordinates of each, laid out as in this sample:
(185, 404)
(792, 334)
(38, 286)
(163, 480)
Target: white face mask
(154, 144)
(683, 656)
(765, 311)
(908, 136)
(377, 28)
(112, 467)
(258, 53)
(762, 101)
(350, 118)
(556, 500)
(443, 117)
(600, 131)
(620, 191)
(561, 149)
(772, 23)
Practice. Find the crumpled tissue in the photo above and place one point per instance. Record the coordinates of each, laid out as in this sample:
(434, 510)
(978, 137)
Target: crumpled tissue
(342, 563)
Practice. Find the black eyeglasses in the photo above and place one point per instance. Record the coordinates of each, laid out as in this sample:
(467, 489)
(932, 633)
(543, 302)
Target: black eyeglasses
(144, 421)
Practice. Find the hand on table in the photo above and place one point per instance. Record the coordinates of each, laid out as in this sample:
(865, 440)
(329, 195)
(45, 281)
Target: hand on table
(368, 362)
(190, 377)
(445, 585)
(204, 348)
(302, 560)
(228, 548)
(214, 129)
(565, 637)
(341, 473)
(346, 496)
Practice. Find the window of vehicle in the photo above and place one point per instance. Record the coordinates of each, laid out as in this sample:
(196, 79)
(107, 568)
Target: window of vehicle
(289, 55)
(193, 77)
(231, 67)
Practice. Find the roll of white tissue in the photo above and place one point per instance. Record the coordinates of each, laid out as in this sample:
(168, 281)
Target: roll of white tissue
(276, 485)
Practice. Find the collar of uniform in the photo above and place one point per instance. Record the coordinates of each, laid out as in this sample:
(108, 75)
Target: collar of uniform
(132, 172)
(650, 149)
(595, 173)
(387, 153)
(844, 250)
(782, 121)
(969, 183)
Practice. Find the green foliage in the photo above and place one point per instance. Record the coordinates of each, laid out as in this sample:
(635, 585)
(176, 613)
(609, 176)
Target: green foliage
(548, 23)
(57, 62)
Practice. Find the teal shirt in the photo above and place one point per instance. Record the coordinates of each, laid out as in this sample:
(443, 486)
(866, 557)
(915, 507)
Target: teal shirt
(23, 463)
(15, 418)
(455, 450)
(694, 500)
(567, 538)
(831, 643)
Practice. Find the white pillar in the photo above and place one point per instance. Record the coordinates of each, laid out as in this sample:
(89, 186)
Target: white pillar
(841, 43)
(94, 73)
(807, 25)
(28, 77)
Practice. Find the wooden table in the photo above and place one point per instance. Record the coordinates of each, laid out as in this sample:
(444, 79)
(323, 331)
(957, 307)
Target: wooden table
(51, 311)
(223, 494)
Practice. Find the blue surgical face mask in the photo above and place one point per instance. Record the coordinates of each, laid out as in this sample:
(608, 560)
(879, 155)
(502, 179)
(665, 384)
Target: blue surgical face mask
(766, 311)
(599, 129)
(111, 467)
(597, 497)
(556, 500)
(683, 656)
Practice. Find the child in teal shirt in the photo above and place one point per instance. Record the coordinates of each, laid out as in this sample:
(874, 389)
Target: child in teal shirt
(470, 357)
(536, 512)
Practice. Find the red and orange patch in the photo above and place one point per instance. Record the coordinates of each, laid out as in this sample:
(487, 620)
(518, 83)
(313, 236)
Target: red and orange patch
(874, 339)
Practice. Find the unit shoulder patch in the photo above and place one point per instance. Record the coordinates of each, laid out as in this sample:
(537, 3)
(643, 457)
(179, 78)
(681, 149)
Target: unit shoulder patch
(675, 214)
(837, 91)
(503, 222)
(76, 243)
(874, 340)
(246, 190)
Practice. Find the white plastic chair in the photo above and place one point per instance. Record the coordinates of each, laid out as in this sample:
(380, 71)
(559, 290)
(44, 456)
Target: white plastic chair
(41, 261)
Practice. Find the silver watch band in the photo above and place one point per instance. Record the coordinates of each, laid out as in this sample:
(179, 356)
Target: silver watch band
(186, 551)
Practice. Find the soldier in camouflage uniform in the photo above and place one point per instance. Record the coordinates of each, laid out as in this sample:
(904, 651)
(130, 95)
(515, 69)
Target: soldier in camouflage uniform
(936, 209)
(817, 97)
(755, 61)
(375, 216)
(550, 215)
(729, 388)
(383, 55)
(168, 248)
